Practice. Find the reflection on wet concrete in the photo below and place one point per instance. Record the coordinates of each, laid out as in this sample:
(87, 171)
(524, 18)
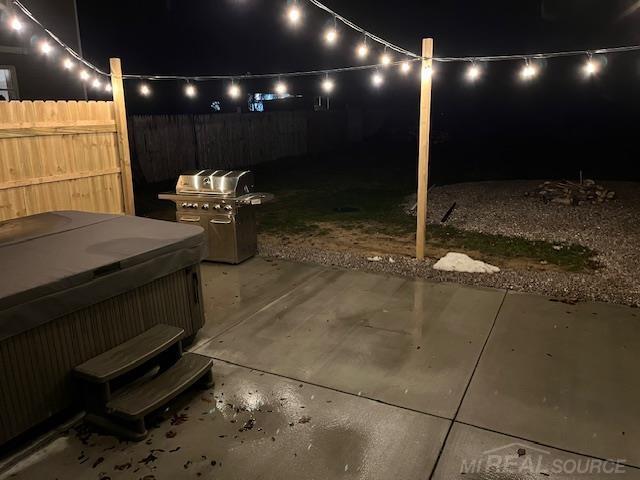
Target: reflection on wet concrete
(404, 342)
(253, 425)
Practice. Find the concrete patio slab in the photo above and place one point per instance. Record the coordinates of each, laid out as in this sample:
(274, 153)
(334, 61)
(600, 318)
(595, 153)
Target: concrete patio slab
(562, 375)
(254, 425)
(408, 343)
(474, 454)
(232, 293)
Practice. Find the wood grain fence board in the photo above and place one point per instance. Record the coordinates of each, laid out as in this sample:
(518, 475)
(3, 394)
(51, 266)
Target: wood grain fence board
(58, 156)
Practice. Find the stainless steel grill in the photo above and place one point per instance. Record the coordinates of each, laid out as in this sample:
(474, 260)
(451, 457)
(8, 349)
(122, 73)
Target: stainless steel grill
(222, 202)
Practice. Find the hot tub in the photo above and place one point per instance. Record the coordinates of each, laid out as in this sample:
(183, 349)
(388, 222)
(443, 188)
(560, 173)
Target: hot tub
(74, 285)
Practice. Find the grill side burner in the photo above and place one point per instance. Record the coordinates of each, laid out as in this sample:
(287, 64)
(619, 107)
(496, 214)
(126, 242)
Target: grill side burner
(222, 203)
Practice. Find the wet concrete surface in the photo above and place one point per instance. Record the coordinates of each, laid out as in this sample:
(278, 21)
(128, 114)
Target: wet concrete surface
(323, 373)
(254, 425)
(408, 343)
(232, 293)
(564, 375)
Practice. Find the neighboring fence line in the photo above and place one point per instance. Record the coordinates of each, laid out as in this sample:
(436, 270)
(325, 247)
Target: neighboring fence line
(163, 146)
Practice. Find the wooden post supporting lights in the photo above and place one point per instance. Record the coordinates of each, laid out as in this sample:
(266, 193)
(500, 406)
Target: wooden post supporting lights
(124, 156)
(423, 146)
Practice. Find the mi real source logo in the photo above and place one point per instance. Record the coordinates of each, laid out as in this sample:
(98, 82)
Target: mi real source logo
(521, 459)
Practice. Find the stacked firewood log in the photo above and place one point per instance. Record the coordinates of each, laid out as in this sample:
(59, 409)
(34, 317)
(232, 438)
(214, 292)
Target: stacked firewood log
(572, 193)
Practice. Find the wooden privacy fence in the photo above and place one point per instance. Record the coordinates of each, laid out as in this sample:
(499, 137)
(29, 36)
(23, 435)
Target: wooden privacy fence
(62, 156)
(163, 146)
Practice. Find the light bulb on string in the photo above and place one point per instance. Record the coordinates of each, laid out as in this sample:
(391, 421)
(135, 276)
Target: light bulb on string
(473, 73)
(108, 88)
(363, 49)
(529, 71)
(96, 83)
(405, 68)
(145, 91)
(234, 91)
(68, 64)
(591, 67)
(190, 91)
(328, 85)
(427, 72)
(377, 79)
(385, 59)
(294, 14)
(16, 24)
(281, 88)
(45, 47)
(84, 75)
(331, 34)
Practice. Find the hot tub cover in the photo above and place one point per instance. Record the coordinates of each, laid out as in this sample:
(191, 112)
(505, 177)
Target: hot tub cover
(53, 264)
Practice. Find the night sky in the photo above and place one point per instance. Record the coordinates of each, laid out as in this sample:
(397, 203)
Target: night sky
(500, 121)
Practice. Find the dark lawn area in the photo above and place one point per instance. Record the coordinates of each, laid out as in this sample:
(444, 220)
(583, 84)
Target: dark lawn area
(363, 195)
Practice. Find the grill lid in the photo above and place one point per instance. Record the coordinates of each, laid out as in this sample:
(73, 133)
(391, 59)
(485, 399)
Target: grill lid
(222, 183)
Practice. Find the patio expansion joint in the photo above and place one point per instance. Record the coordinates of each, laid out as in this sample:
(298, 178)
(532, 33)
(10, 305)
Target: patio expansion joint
(452, 422)
(325, 387)
(534, 442)
(473, 372)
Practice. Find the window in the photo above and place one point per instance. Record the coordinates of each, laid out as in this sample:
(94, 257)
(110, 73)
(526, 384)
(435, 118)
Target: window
(256, 100)
(8, 84)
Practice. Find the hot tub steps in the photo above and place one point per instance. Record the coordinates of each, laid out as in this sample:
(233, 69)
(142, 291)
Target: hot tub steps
(130, 355)
(140, 400)
(123, 385)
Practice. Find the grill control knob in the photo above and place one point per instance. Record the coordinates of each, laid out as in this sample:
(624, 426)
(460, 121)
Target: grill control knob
(217, 207)
(205, 206)
(228, 208)
(185, 205)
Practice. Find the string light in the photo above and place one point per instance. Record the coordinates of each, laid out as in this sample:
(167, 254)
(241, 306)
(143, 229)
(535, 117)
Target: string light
(145, 91)
(528, 72)
(96, 83)
(591, 67)
(328, 85)
(281, 88)
(377, 79)
(190, 91)
(331, 36)
(385, 59)
(363, 49)
(68, 64)
(473, 73)
(108, 88)
(234, 91)
(45, 47)
(294, 14)
(16, 24)
(427, 72)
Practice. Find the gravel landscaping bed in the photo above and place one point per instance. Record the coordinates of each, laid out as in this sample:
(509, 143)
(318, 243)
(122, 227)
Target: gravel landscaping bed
(612, 229)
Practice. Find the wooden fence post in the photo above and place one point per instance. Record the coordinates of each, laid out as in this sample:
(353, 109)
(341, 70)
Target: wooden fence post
(124, 155)
(423, 146)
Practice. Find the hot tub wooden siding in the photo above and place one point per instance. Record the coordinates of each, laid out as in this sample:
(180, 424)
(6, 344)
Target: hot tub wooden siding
(35, 366)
